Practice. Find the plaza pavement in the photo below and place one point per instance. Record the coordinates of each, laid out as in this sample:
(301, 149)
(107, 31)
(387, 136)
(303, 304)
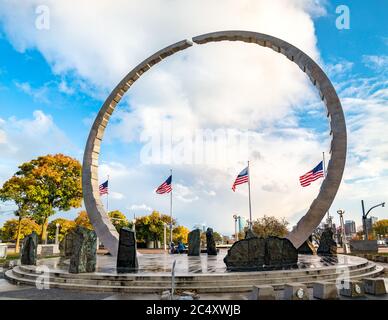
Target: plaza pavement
(10, 291)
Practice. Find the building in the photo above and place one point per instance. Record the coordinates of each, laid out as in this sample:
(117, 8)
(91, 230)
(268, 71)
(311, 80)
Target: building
(369, 224)
(350, 228)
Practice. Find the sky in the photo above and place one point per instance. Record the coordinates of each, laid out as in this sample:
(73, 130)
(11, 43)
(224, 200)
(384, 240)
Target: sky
(59, 62)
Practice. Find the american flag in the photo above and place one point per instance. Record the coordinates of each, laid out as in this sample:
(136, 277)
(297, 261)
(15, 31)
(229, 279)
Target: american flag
(312, 175)
(165, 187)
(242, 177)
(104, 188)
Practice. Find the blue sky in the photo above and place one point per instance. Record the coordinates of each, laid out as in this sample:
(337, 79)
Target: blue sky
(53, 82)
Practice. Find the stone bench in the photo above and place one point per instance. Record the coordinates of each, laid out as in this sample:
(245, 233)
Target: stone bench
(325, 290)
(262, 292)
(375, 286)
(295, 291)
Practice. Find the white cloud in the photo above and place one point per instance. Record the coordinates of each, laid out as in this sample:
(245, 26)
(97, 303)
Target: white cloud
(116, 195)
(224, 85)
(140, 207)
(64, 87)
(38, 94)
(376, 62)
(29, 138)
(339, 68)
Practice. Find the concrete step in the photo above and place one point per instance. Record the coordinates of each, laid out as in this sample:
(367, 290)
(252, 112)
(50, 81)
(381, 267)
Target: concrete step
(246, 276)
(16, 277)
(154, 281)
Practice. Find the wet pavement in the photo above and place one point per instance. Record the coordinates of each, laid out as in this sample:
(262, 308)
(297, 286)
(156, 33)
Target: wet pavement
(161, 263)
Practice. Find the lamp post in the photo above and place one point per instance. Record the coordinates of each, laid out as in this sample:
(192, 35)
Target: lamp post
(57, 233)
(165, 236)
(365, 215)
(344, 242)
(235, 227)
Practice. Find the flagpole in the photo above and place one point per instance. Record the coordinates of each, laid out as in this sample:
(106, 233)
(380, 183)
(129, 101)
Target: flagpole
(324, 176)
(249, 191)
(107, 197)
(171, 208)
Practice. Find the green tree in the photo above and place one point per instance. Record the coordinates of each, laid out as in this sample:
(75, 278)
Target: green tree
(381, 227)
(270, 226)
(54, 182)
(11, 228)
(65, 226)
(217, 237)
(151, 227)
(118, 219)
(15, 189)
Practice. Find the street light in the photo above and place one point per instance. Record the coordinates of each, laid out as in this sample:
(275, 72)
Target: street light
(365, 215)
(235, 227)
(344, 244)
(165, 236)
(57, 233)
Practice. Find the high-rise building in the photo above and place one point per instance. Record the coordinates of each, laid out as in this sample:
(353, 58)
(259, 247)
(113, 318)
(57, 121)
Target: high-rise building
(350, 228)
(369, 224)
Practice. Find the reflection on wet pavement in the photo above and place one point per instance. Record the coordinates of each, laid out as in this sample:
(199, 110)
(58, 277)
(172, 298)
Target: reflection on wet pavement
(161, 263)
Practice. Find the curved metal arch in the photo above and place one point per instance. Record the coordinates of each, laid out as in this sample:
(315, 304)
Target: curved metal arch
(97, 214)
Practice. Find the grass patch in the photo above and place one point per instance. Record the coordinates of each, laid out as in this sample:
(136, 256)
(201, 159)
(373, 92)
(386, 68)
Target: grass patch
(10, 256)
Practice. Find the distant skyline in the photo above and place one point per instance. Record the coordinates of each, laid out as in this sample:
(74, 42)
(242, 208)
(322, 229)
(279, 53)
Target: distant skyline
(53, 82)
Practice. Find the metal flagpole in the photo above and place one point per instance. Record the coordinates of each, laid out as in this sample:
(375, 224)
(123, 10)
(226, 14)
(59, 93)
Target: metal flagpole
(171, 208)
(107, 197)
(249, 191)
(324, 177)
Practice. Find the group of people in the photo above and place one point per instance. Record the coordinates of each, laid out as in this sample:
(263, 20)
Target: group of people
(179, 249)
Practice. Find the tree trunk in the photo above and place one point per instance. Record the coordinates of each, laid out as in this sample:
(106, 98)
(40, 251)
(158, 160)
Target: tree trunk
(18, 235)
(44, 230)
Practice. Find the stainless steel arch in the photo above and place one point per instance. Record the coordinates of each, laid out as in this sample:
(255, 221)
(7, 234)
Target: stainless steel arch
(98, 217)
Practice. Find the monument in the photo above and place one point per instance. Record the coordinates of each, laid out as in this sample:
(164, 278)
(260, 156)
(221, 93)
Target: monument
(327, 245)
(210, 243)
(66, 245)
(194, 243)
(83, 258)
(126, 256)
(254, 254)
(30, 249)
(307, 247)
(318, 208)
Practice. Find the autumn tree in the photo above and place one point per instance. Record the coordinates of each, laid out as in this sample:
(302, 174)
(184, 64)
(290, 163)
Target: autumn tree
(118, 219)
(381, 227)
(54, 182)
(83, 220)
(270, 226)
(180, 234)
(65, 226)
(16, 189)
(13, 229)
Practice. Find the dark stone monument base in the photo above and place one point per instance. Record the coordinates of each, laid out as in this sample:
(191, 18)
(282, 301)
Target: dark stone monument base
(210, 243)
(84, 254)
(307, 248)
(126, 256)
(256, 254)
(327, 245)
(29, 250)
(194, 243)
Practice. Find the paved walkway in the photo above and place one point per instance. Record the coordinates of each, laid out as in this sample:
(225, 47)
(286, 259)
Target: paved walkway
(10, 291)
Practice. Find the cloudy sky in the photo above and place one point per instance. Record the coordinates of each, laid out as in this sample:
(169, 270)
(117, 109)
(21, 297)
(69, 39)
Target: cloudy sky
(59, 61)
